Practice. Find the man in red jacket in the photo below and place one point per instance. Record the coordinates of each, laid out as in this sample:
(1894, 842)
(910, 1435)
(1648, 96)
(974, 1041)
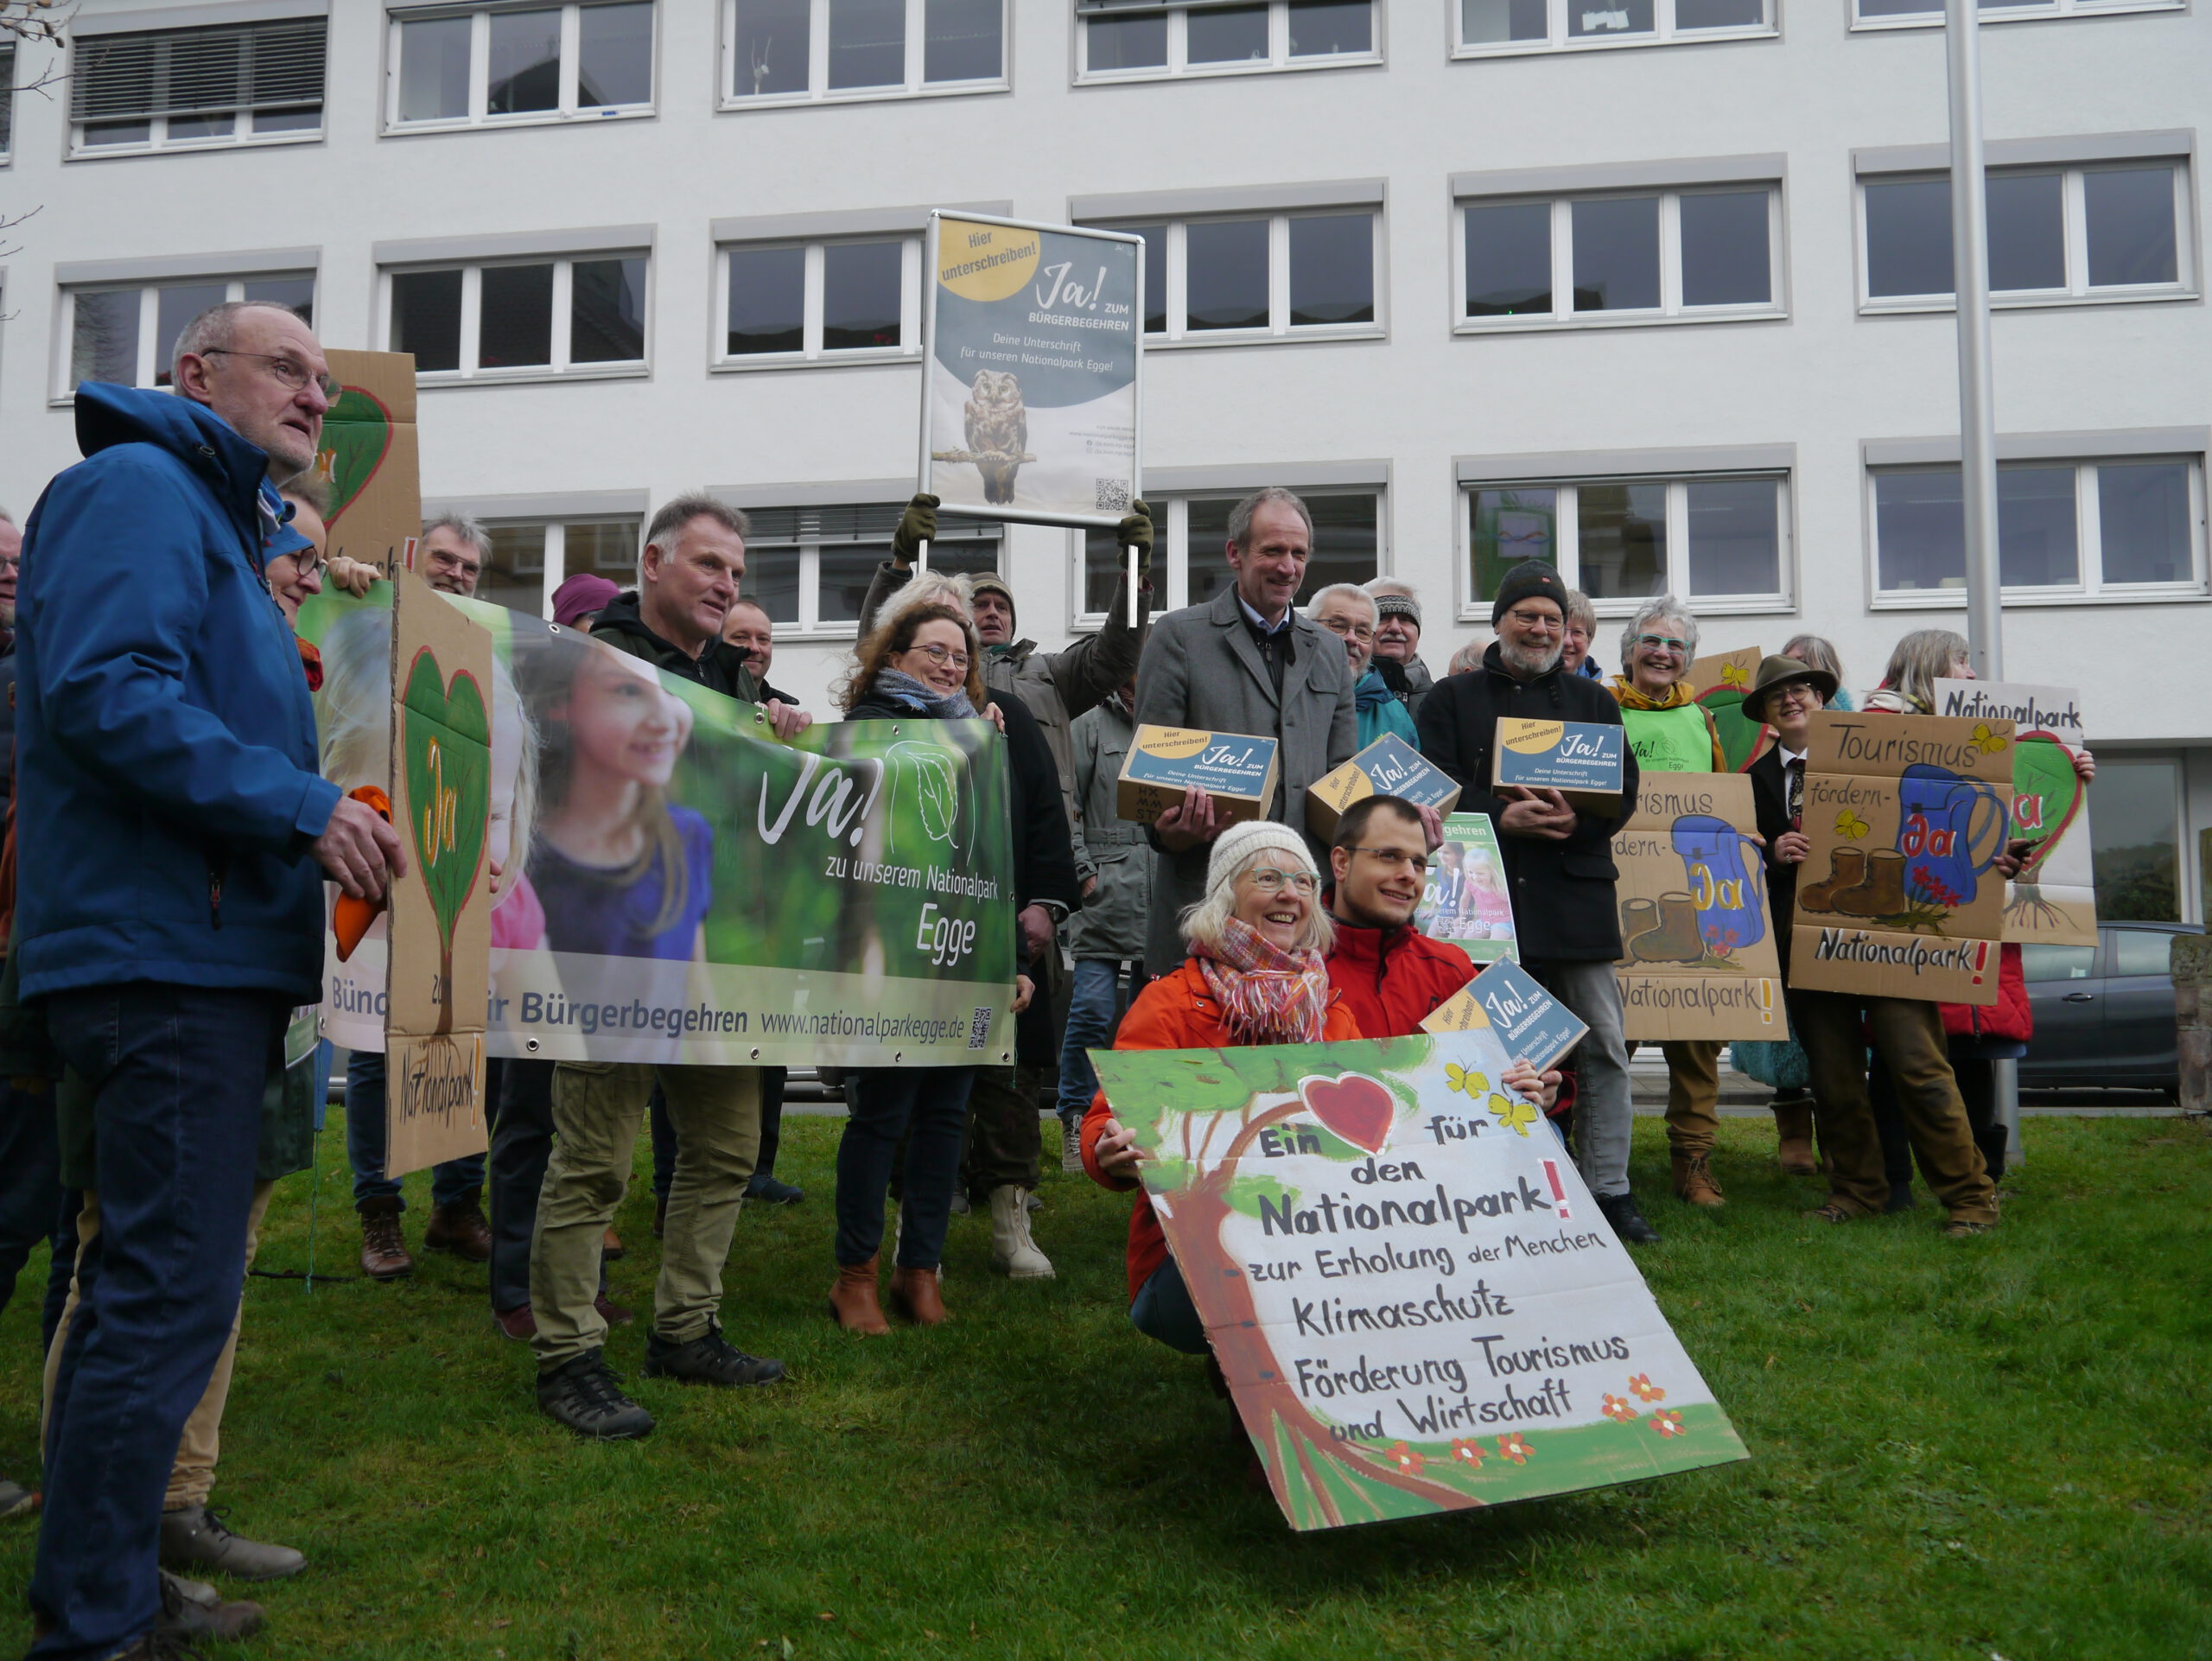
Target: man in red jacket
(1388, 973)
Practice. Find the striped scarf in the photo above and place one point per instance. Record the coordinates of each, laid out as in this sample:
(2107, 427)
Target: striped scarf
(1267, 995)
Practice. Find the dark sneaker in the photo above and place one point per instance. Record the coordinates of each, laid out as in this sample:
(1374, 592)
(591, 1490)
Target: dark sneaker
(192, 1609)
(767, 1191)
(586, 1395)
(707, 1360)
(1900, 1198)
(1620, 1209)
(197, 1537)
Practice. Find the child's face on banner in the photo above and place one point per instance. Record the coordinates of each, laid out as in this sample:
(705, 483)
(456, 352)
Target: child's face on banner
(621, 722)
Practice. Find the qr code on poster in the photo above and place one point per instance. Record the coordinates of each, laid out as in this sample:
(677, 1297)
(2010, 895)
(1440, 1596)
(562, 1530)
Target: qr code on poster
(979, 1027)
(1113, 496)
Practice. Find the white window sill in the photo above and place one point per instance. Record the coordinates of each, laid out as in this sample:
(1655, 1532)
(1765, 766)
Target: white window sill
(1611, 43)
(1468, 326)
(1247, 337)
(191, 146)
(2044, 300)
(822, 635)
(1704, 605)
(502, 122)
(860, 357)
(2014, 14)
(428, 380)
(862, 95)
(2031, 600)
(1216, 71)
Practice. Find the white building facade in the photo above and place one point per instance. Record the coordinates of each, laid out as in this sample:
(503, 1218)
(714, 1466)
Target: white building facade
(1655, 289)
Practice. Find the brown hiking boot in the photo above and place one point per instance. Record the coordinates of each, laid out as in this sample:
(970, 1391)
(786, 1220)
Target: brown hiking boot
(852, 1301)
(462, 1229)
(383, 1251)
(1793, 1125)
(914, 1295)
(1694, 1182)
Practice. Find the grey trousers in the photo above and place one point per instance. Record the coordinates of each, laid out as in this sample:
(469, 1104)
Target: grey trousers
(1602, 1113)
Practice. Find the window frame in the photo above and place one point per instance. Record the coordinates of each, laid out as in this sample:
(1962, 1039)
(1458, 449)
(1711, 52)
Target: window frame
(1178, 68)
(2089, 532)
(818, 91)
(157, 141)
(2040, 11)
(1783, 601)
(811, 354)
(553, 553)
(810, 627)
(1663, 32)
(480, 118)
(62, 391)
(8, 59)
(1670, 310)
(1280, 331)
(2074, 234)
(559, 347)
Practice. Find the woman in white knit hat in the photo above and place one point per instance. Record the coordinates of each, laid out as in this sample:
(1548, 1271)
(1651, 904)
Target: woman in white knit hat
(1257, 974)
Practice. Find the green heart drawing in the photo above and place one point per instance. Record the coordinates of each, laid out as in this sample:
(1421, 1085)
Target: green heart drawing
(1742, 739)
(356, 437)
(2046, 791)
(445, 737)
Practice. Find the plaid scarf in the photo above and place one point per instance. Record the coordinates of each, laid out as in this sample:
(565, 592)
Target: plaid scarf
(1267, 995)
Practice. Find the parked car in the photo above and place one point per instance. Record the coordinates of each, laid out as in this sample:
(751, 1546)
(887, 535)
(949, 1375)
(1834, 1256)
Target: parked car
(2104, 1014)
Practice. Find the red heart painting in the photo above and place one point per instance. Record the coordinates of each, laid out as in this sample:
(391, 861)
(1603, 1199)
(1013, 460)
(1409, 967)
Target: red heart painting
(1355, 1107)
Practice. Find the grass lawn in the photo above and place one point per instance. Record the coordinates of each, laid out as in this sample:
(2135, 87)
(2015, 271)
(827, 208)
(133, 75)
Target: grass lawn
(1960, 1450)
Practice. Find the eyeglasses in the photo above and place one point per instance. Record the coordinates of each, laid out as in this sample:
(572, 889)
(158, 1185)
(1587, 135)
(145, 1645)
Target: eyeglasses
(942, 654)
(1536, 620)
(1268, 879)
(1346, 626)
(1664, 643)
(289, 371)
(1417, 864)
(1799, 693)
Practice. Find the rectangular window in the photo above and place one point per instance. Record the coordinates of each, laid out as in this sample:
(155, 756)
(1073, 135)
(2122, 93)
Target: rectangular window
(578, 61)
(528, 318)
(1717, 539)
(171, 88)
(1190, 566)
(2109, 232)
(795, 51)
(1647, 257)
(789, 303)
(1261, 276)
(530, 558)
(1929, 14)
(1145, 40)
(2135, 839)
(128, 334)
(810, 567)
(1488, 27)
(2064, 528)
(7, 98)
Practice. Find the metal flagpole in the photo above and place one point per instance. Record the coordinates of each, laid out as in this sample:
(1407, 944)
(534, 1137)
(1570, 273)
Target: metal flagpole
(1977, 401)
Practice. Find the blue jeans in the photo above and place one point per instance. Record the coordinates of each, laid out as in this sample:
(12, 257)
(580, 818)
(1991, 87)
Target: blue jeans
(1162, 1310)
(455, 1182)
(1094, 1003)
(176, 1074)
(884, 1101)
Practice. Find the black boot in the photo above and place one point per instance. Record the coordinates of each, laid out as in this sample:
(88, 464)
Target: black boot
(586, 1395)
(707, 1360)
(1628, 1222)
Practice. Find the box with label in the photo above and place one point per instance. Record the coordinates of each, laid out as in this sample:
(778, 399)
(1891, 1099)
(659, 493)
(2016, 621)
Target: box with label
(1238, 770)
(1581, 760)
(1389, 766)
(1533, 1026)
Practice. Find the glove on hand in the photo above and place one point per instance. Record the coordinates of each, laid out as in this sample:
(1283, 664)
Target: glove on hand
(917, 525)
(1135, 531)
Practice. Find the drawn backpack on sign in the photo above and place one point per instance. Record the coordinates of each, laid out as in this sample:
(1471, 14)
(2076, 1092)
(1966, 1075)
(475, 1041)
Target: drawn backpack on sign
(1728, 889)
(1942, 821)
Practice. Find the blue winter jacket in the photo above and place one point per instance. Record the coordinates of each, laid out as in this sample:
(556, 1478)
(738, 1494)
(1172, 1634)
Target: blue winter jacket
(167, 789)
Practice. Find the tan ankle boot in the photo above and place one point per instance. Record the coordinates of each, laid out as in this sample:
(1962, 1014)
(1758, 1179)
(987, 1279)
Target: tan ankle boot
(852, 1301)
(1694, 1182)
(1794, 1125)
(914, 1295)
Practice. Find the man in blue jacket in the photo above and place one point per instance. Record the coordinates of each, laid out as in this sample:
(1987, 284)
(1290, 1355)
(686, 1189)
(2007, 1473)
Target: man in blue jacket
(171, 910)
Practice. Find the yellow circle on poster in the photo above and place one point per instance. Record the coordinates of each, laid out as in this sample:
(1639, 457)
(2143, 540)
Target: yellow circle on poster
(985, 261)
(1172, 743)
(1532, 737)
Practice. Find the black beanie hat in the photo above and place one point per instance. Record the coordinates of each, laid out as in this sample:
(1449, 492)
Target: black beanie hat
(1530, 579)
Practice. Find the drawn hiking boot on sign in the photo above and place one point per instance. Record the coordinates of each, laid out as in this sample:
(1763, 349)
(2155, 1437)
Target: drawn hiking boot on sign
(1676, 939)
(1846, 869)
(1882, 893)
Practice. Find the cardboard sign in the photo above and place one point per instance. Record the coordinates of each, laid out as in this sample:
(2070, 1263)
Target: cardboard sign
(1416, 1303)
(1238, 770)
(1389, 766)
(1581, 760)
(441, 930)
(1697, 934)
(370, 456)
(1531, 1024)
(2054, 899)
(1719, 682)
(1905, 814)
(1465, 899)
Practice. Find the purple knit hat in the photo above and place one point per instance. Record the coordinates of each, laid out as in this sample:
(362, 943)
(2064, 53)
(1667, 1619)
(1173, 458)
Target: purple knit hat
(580, 596)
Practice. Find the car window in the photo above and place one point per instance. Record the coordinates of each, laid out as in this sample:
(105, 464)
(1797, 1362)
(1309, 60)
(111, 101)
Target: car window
(2140, 952)
(2058, 963)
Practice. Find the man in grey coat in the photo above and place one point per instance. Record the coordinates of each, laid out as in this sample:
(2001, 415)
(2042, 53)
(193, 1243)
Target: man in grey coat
(1245, 662)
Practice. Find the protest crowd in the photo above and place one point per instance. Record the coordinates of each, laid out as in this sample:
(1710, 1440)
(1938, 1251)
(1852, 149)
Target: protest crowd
(184, 831)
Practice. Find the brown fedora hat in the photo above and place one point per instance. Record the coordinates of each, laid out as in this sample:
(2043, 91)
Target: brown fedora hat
(1777, 671)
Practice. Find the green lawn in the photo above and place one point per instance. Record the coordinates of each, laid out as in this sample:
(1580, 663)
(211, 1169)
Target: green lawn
(1960, 1450)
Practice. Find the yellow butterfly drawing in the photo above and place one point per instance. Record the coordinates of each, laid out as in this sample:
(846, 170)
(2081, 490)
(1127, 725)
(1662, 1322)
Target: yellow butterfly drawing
(1985, 740)
(1514, 1113)
(1470, 1085)
(1849, 826)
(1734, 674)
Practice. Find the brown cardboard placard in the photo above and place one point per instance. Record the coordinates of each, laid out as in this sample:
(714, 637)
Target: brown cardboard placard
(372, 459)
(1719, 683)
(2053, 901)
(439, 974)
(1698, 933)
(1897, 898)
(1734, 669)
(1389, 766)
(1238, 770)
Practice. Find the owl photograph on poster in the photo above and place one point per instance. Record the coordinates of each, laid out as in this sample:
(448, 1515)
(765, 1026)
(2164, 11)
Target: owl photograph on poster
(998, 431)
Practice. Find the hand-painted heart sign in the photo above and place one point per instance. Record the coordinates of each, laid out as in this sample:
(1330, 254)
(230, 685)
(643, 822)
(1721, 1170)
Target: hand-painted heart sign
(445, 738)
(356, 437)
(1353, 1106)
(1743, 740)
(2046, 791)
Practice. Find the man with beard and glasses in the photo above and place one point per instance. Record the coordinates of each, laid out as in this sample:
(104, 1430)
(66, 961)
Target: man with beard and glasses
(1559, 859)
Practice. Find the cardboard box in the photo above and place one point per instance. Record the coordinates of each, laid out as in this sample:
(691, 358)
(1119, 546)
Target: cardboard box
(1581, 760)
(2053, 901)
(371, 458)
(1466, 900)
(1533, 1026)
(1389, 766)
(1897, 899)
(1697, 932)
(1239, 771)
(1719, 682)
